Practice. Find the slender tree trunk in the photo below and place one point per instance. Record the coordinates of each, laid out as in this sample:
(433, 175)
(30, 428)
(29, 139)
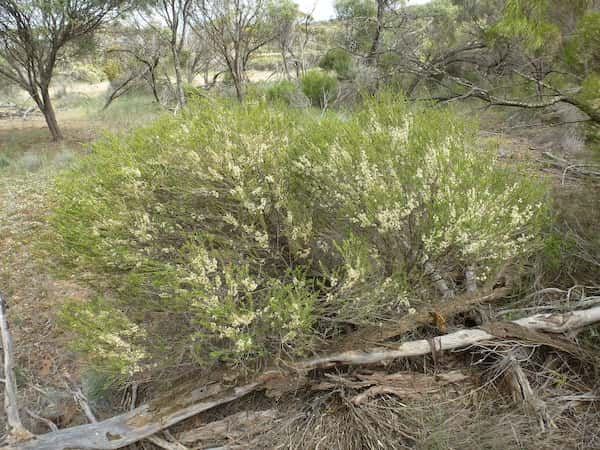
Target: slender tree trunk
(237, 74)
(47, 109)
(372, 56)
(178, 77)
(286, 68)
(239, 92)
(153, 83)
(413, 86)
(206, 75)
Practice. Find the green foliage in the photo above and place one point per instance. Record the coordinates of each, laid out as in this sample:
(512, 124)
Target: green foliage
(86, 72)
(238, 231)
(107, 335)
(283, 13)
(193, 92)
(590, 90)
(339, 61)
(320, 87)
(355, 9)
(583, 48)
(537, 22)
(528, 20)
(358, 17)
(282, 91)
(4, 161)
(112, 69)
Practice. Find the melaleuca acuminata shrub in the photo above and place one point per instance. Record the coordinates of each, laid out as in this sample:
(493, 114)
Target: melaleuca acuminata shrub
(234, 232)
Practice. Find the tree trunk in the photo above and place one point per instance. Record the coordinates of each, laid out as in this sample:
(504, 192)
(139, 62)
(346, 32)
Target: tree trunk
(237, 75)
(286, 68)
(178, 78)
(372, 56)
(239, 93)
(48, 110)
(155, 416)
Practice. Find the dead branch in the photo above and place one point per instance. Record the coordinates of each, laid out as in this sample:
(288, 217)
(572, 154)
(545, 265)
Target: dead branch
(470, 280)
(438, 281)
(408, 384)
(163, 443)
(575, 168)
(140, 423)
(16, 432)
(422, 317)
(512, 331)
(522, 392)
(150, 418)
(84, 405)
(47, 422)
(234, 425)
(552, 323)
(485, 95)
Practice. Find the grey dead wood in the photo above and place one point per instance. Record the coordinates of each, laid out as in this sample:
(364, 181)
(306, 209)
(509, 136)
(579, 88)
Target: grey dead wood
(153, 417)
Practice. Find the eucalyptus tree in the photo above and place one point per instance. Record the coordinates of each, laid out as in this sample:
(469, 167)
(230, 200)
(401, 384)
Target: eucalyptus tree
(284, 17)
(134, 58)
(176, 15)
(510, 53)
(34, 36)
(237, 29)
(553, 51)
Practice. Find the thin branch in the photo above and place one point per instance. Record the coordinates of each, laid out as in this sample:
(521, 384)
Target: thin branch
(85, 405)
(47, 422)
(17, 432)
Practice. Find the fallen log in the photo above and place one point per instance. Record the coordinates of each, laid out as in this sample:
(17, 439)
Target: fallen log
(234, 425)
(422, 317)
(150, 418)
(523, 393)
(135, 425)
(401, 384)
(552, 323)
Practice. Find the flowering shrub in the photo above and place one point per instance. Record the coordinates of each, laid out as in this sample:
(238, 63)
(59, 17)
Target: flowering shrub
(238, 231)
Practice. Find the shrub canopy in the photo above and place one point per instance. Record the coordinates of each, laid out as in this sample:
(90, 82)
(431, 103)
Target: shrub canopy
(339, 61)
(320, 87)
(233, 232)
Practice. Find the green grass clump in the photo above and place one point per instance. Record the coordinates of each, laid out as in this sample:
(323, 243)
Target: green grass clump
(234, 232)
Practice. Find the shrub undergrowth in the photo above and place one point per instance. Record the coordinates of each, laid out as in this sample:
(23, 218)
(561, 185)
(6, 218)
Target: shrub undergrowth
(234, 232)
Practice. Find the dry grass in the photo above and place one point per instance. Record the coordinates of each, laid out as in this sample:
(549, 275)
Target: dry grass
(487, 416)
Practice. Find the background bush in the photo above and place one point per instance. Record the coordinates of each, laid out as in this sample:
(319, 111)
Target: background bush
(283, 91)
(234, 232)
(339, 61)
(112, 69)
(320, 87)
